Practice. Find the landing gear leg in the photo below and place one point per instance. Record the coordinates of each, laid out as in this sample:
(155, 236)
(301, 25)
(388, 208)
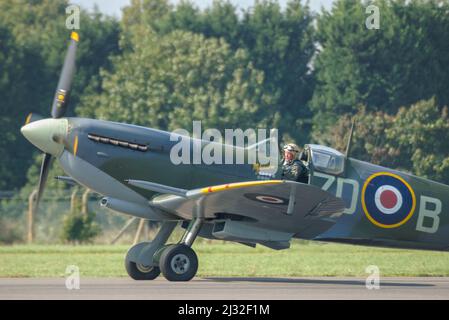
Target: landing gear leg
(178, 262)
(139, 262)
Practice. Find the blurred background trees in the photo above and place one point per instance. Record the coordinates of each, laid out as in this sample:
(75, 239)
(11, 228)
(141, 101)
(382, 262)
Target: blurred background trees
(280, 43)
(306, 73)
(166, 80)
(385, 69)
(33, 44)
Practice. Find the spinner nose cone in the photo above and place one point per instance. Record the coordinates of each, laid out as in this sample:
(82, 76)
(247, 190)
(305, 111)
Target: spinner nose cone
(47, 135)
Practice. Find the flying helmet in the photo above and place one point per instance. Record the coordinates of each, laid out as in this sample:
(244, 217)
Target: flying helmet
(291, 147)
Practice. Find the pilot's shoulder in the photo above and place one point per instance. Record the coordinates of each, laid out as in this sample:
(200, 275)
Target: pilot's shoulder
(301, 164)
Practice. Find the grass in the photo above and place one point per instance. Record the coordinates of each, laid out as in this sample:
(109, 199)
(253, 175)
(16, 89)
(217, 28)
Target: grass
(226, 259)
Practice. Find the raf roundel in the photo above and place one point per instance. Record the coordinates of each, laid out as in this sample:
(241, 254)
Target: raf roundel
(269, 199)
(266, 198)
(388, 200)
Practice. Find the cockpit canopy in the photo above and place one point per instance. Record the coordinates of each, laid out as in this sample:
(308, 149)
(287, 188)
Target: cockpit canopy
(325, 159)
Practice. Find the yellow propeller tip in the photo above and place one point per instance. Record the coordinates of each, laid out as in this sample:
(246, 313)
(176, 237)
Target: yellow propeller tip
(28, 119)
(75, 36)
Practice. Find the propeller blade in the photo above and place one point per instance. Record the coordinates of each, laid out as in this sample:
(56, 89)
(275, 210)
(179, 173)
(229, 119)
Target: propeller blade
(45, 168)
(33, 117)
(61, 99)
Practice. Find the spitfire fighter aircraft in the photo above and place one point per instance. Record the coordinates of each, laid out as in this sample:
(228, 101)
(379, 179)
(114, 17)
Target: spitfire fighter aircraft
(343, 200)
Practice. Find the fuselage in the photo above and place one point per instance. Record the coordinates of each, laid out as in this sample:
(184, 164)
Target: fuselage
(102, 155)
(417, 217)
(153, 164)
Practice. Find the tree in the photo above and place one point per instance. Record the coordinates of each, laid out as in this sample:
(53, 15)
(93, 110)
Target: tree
(279, 43)
(33, 43)
(79, 227)
(167, 81)
(12, 91)
(369, 142)
(421, 132)
(396, 65)
(415, 139)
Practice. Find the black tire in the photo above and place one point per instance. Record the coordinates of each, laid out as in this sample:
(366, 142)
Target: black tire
(178, 262)
(141, 273)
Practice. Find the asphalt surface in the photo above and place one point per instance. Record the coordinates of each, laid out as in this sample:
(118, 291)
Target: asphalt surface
(226, 289)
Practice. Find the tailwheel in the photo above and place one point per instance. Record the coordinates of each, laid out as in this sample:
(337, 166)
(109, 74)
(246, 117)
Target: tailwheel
(178, 262)
(140, 272)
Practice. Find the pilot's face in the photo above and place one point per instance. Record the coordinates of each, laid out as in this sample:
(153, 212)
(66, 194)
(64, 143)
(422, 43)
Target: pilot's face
(289, 155)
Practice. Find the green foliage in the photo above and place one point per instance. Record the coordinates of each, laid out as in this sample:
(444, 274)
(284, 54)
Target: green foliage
(421, 133)
(397, 65)
(11, 91)
(10, 232)
(48, 217)
(282, 45)
(279, 43)
(369, 141)
(79, 227)
(415, 139)
(167, 81)
(33, 42)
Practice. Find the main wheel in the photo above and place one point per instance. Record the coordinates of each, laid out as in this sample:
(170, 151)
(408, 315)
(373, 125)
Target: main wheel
(140, 272)
(178, 262)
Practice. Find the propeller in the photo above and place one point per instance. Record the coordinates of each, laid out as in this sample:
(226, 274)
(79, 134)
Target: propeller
(45, 168)
(59, 107)
(61, 99)
(33, 117)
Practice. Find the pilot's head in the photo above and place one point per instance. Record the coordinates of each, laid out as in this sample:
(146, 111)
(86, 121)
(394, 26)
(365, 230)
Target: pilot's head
(291, 151)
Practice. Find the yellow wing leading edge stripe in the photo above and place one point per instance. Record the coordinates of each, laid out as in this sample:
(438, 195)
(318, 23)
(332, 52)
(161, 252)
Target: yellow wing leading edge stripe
(238, 185)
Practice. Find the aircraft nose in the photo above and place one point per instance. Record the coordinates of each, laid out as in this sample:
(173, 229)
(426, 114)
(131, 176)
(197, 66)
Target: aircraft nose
(47, 135)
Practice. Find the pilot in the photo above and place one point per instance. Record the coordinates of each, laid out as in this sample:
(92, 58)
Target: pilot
(292, 167)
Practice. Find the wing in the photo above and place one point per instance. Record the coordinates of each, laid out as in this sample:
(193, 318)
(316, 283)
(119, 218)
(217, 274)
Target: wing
(281, 206)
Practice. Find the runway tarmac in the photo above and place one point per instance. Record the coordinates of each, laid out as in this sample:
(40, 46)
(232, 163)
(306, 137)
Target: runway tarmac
(226, 289)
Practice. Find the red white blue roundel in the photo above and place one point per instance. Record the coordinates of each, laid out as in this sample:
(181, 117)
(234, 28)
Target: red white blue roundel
(388, 200)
